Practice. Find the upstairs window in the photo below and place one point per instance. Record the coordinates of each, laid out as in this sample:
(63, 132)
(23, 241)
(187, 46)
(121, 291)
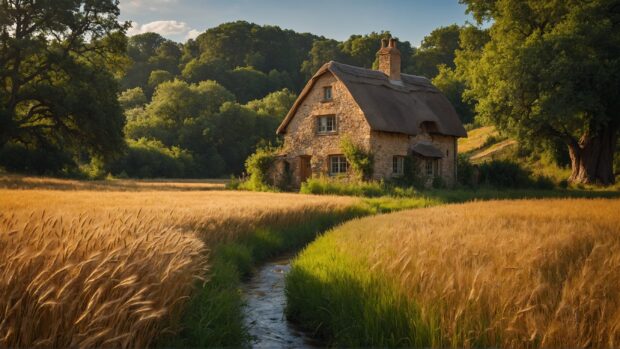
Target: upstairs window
(337, 165)
(326, 124)
(398, 165)
(327, 93)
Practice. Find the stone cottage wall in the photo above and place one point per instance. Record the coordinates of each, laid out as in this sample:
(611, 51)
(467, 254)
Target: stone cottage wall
(385, 146)
(301, 136)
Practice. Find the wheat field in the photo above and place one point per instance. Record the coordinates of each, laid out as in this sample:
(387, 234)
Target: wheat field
(528, 273)
(91, 268)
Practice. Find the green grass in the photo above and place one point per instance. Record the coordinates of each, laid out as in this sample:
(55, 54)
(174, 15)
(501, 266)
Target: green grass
(334, 295)
(214, 317)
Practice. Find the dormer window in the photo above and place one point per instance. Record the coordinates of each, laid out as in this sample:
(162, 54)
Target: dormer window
(326, 124)
(327, 93)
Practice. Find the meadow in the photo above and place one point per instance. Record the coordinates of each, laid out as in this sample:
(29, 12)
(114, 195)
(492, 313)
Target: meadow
(118, 266)
(522, 273)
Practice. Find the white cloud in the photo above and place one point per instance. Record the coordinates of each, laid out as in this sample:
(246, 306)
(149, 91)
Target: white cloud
(141, 5)
(164, 28)
(192, 34)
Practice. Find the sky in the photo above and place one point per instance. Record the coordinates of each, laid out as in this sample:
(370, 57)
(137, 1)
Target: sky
(408, 20)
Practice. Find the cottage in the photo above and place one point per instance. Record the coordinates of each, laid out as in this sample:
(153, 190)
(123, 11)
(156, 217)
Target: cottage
(392, 115)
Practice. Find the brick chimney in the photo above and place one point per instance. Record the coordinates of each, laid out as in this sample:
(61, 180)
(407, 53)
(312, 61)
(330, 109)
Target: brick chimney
(389, 59)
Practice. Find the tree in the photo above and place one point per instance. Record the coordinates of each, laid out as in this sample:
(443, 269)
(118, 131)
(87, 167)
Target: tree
(551, 71)
(322, 51)
(157, 77)
(132, 98)
(148, 52)
(57, 60)
(437, 48)
(453, 87)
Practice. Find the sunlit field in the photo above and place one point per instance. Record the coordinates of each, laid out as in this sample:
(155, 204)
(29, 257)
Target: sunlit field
(111, 268)
(535, 273)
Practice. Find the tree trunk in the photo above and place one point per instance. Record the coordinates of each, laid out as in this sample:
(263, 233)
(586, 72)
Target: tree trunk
(592, 158)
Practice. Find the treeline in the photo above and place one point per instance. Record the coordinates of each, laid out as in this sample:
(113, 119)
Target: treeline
(200, 108)
(151, 107)
(79, 97)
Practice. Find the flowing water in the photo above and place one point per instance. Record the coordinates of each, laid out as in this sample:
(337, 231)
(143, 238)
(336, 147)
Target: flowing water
(264, 309)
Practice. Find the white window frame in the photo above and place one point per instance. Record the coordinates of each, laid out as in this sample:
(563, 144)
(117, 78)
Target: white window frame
(398, 165)
(326, 124)
(327, 93)
(338, 165)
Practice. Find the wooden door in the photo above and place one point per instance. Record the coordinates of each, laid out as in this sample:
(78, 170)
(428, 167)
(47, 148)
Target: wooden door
(305, 170)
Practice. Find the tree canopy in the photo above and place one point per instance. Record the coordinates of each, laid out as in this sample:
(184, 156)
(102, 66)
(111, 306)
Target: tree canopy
(551, 71)
(55, 93)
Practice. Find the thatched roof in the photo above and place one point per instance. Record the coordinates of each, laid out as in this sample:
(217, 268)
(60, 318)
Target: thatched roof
(388, 106)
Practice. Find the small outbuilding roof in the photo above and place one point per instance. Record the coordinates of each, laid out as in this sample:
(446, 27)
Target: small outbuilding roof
(390, 106)
(427, 149)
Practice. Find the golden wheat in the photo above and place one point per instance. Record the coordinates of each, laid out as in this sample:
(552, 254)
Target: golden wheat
(90, 269)
(540, 273)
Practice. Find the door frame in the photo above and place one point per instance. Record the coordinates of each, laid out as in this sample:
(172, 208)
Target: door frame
(305, 167)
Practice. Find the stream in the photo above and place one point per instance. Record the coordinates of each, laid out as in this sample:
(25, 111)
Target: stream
(265, 302)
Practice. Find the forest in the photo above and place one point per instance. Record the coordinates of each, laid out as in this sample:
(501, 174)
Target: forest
(81, 99)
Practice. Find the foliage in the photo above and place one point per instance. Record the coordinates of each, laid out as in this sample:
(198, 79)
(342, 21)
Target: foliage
(157, 77)
(359, 50)
(550, 71)
(507, 174)
(448, 81)
(412, 176)
(438, 183)
(328, 186)
(152, 159)
(257, 167)
(58, 85)
(467, 174)
(149, 52)
(437, 49)
(48, 160)
(132, 98)
(360, 159)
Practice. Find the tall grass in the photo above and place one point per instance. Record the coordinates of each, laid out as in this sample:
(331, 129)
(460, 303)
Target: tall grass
(87, 268)
(532, 273)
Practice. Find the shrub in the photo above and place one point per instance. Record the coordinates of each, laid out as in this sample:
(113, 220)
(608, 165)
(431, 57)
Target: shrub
(339, 186)
(257, 167)
(359, 159)
(323, 185)
(438, 183)
(146, 158)
(465, 171)
(503, 174)
(45, 160)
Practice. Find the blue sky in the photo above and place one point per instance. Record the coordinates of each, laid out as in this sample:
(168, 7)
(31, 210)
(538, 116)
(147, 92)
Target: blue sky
(338, 19)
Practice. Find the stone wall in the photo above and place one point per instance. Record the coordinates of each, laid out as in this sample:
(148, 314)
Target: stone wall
(385, 146)
(301, 136)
